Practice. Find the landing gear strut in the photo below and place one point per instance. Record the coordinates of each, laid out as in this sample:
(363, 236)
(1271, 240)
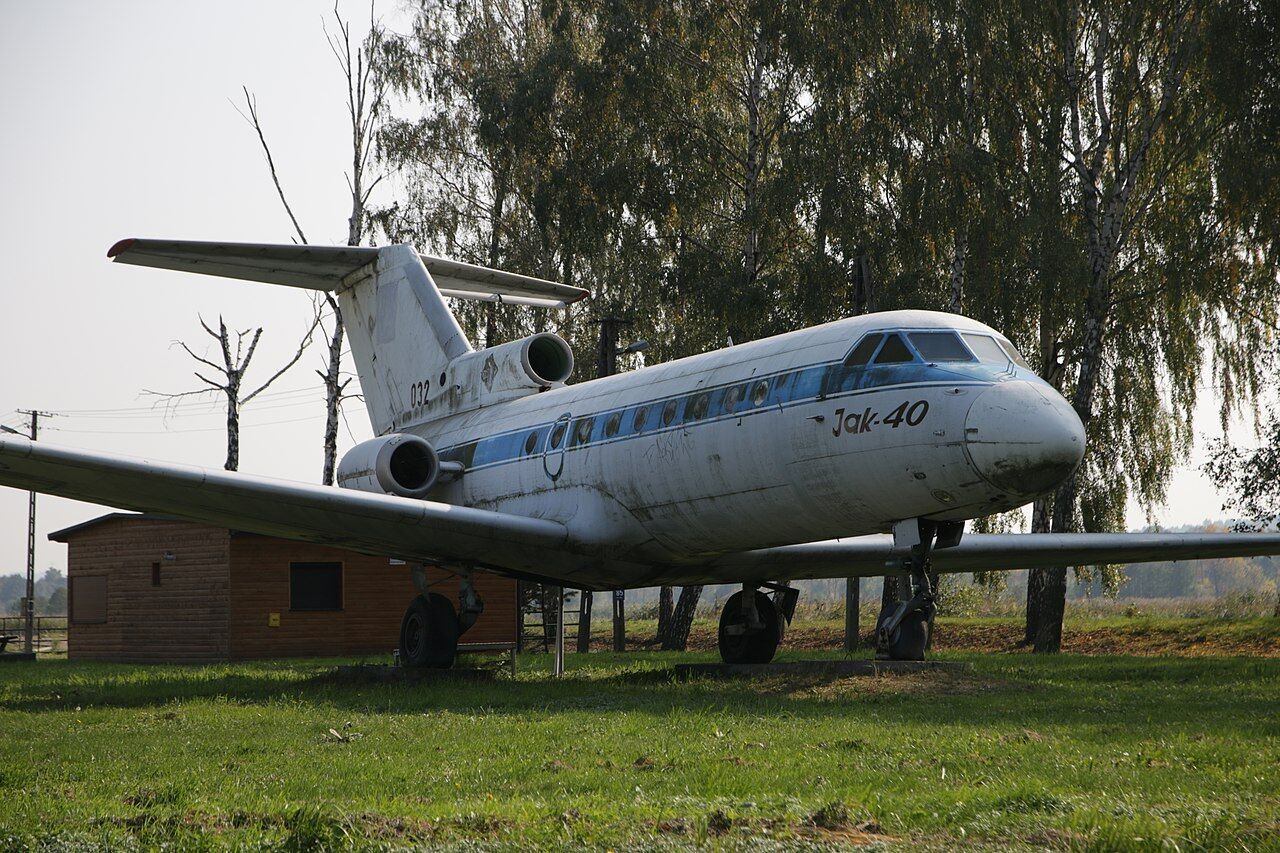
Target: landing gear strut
(431, 626)
(903, 634)
(751, 623)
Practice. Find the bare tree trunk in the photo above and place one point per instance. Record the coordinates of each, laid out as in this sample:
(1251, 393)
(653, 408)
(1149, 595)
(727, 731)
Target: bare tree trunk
(751, 177)
(666, 602)
(958, 259)
(677, 638)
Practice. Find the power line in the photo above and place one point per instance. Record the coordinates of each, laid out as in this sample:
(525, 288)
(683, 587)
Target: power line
(173, 431)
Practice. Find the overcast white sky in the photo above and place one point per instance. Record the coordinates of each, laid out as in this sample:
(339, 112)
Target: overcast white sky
(118, 122)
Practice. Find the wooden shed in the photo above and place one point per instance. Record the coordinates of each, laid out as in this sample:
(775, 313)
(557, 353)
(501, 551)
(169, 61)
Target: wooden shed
(147, 588)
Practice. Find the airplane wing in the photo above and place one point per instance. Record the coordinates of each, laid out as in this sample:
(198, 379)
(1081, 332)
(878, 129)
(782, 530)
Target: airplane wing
(360, 521)
(866, 556)
(324, 267)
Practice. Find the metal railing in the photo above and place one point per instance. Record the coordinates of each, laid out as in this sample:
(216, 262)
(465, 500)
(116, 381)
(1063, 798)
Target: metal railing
(50, 632)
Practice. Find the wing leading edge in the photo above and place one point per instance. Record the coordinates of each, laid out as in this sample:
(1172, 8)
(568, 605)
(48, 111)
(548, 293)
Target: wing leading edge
(360, 521)
(866, 556)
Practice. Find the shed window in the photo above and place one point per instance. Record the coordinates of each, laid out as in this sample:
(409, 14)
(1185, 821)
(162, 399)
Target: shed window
(315, 586)
(894, 351)
(89, 599)
(940, 346)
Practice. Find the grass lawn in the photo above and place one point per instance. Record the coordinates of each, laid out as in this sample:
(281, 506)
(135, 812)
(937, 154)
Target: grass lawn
(1018, 751)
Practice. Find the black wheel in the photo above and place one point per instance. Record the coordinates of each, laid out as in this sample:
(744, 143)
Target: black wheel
(910, 639)
(740, 646)
(429, 633)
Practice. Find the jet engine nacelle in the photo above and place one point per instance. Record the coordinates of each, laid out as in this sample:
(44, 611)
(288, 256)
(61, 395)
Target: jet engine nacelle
(509, 370)
(399, 464)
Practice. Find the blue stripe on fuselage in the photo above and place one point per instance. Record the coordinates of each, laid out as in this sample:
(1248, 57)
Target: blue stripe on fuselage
(732, 400)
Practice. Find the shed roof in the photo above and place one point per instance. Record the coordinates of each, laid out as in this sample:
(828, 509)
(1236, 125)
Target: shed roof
(65, 533)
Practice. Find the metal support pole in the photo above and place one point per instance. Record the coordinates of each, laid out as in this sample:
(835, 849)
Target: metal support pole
(619, 620)
(584, 622)
(557, 668)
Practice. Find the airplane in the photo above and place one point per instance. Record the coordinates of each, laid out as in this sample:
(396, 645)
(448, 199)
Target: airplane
(855, 448)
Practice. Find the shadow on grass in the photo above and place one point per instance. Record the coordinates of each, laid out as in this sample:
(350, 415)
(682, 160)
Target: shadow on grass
(1000, 690)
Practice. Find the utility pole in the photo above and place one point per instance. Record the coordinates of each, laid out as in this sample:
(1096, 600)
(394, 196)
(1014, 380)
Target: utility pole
(29, 603)
(607, 365)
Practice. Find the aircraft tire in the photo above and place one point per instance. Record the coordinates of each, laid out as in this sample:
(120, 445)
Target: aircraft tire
(911, 638)
(754, 646)
(429, 633)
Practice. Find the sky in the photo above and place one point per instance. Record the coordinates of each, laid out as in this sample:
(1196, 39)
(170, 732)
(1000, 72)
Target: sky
(120, 120)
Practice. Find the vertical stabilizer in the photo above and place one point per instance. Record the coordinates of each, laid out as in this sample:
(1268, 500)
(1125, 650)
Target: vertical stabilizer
(402, 333)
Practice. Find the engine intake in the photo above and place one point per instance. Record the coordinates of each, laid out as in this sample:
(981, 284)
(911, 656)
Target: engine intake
(402, 465)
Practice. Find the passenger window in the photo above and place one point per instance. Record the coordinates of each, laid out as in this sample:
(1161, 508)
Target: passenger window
(940, 346)
(986, 349)
(669, 413)
(863, 351)
(582, 432)
(1013, 353)
(696, 408)
(894, 351)
(760, 393)
(557, 434)
(611, 425)
(531, 442)
(642, 414)
(732, 397)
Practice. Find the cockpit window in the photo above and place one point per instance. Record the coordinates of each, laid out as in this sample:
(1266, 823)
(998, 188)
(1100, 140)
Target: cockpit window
(940, 346)
(986, 349)
(894, 351)
(1013, 353)
(864, 350)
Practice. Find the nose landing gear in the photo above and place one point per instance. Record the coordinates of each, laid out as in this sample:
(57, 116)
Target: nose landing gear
(904, 633)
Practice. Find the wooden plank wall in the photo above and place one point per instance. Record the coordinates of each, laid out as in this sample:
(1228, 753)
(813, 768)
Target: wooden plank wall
(375, 595)
(183, 619)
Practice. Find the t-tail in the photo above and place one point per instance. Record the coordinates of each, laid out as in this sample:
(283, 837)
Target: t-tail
(414, 362)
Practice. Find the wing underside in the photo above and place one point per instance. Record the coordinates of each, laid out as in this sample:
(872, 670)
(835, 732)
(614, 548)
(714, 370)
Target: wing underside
(868, 556)
(377, 524)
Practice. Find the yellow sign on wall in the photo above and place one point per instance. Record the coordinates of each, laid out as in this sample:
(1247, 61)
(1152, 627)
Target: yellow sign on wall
(273, 620)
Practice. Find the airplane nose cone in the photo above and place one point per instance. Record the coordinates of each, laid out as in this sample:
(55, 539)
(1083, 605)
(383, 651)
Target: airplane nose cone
(1023, 439)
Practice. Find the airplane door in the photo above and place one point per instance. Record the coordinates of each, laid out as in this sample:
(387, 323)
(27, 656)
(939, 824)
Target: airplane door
(553, 450)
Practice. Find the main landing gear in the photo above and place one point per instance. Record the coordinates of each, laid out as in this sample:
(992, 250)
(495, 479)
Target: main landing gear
(431, 626)
(752, 622)
(903, 633)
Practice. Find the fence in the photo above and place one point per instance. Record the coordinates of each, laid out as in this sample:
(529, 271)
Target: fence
(50, 632)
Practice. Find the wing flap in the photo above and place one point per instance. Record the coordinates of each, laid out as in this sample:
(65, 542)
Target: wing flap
(324, 267)
(379, 524)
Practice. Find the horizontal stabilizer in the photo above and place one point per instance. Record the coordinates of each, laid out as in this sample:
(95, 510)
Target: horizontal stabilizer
(324, 268)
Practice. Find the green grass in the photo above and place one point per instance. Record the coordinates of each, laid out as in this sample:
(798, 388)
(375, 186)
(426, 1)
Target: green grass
(1019, 751)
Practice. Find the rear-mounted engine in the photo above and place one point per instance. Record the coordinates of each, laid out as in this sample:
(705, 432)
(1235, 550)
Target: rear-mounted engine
(400, 464)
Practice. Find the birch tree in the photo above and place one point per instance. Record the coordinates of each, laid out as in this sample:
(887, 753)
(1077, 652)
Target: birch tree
(230, 375)
(366, 99)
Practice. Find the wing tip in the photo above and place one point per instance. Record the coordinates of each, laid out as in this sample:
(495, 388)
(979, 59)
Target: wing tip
(121, 246)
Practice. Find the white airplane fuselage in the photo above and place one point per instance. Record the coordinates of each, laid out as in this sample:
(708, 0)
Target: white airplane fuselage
(766, 443)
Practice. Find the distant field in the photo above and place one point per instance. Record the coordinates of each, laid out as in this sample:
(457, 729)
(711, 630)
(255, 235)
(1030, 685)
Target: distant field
(1017, 752)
